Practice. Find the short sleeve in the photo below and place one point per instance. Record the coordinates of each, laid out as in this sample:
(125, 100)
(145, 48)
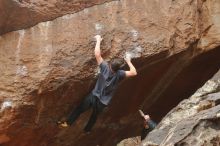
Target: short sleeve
(152, 124)
(103, 66)
(121, 74)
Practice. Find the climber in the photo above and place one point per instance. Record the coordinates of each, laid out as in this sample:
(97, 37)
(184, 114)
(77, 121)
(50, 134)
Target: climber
(109, 77)
(149, 125)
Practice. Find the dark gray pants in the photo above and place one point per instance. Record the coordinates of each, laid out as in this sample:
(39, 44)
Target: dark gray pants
(145, 132)
(86, 104)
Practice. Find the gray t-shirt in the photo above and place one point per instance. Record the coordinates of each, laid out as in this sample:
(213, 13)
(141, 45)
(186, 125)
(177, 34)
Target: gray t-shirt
(107, 83)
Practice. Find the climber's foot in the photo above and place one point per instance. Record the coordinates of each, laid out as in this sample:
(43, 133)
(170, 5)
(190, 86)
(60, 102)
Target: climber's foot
(63, 124)
(59, 122)
(86, 131)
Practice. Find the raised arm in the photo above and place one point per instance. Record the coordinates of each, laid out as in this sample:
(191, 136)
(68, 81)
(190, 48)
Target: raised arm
(132, 71)
(97, 50)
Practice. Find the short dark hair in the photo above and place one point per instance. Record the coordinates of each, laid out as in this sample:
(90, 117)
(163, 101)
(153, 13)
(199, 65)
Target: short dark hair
(116, 64)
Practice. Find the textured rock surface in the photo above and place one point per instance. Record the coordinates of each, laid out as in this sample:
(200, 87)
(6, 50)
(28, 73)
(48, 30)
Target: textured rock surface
(134, 141)
(47, 69)
(195, 121)
(20, 14)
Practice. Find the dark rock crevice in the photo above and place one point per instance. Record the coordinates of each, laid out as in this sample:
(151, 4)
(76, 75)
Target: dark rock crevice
(191, 78)
(194, 121)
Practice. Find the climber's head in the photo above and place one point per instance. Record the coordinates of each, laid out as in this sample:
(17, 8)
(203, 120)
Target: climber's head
(147, 118)
(116, 64)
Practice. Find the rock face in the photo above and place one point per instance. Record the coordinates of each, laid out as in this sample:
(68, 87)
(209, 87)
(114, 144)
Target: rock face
(195, 121)
(47, 69)
(19, 14)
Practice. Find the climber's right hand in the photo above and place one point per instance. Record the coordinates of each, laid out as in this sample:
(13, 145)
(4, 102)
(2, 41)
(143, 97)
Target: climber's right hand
(98, 38)
(127, 57)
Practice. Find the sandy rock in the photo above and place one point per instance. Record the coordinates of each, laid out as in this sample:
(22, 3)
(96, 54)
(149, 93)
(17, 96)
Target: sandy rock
(130, 142)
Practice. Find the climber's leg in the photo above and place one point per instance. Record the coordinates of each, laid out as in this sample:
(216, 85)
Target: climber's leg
(84, 105)
(97, 109)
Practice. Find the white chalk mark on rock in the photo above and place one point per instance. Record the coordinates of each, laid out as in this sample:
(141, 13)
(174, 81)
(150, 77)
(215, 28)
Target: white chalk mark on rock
(21, 36)
(134, 33)
(22, 70)
(98, 26)
(44, 29)
(138, 49)
(6, 104)
(135, 53)
(86, 11)
(68, 16)
(18, 48)
(18, 51)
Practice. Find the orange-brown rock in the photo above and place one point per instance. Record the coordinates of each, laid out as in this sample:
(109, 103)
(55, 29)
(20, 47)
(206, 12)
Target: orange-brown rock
(48, 68)
(20, 14)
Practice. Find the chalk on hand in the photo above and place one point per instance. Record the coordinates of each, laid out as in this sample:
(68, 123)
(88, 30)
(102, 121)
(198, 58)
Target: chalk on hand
(96, 37)
(128, 55)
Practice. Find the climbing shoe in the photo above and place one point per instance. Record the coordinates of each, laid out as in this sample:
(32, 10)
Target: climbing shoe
(86, 132)
(64, 125)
